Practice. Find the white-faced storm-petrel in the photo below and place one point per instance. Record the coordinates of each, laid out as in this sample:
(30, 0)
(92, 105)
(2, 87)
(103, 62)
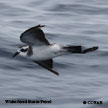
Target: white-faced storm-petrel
(39, 50)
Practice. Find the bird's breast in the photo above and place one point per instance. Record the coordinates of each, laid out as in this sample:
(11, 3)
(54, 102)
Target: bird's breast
(45, 52)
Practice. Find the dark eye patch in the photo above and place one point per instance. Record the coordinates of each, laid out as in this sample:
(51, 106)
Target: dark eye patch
(24, 50)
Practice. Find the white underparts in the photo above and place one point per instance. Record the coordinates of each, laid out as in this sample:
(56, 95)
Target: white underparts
(46, 52)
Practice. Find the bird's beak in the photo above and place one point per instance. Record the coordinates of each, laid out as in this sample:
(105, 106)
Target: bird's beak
(15, 54)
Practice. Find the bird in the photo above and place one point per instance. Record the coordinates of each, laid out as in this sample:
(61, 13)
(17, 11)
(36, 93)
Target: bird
(38, 49)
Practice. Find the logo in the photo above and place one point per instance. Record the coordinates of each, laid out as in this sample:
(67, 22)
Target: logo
(93, 102)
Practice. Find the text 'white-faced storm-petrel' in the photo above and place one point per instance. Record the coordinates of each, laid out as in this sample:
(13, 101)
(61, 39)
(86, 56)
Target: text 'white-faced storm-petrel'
(39, 50)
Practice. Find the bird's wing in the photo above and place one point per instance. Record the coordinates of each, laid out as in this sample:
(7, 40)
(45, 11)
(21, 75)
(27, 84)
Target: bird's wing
(47, 64)
(34, 36)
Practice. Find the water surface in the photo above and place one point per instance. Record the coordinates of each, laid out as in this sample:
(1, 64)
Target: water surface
(74, 22)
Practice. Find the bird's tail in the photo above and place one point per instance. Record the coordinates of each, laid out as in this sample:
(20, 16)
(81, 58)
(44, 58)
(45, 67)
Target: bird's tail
(90, 49)
(79, 49)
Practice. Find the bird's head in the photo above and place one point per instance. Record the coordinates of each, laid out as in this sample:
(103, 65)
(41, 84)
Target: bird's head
(22, 51)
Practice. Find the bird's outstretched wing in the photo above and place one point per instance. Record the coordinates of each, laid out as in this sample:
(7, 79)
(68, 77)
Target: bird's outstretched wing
(47, 64)
(34, 36)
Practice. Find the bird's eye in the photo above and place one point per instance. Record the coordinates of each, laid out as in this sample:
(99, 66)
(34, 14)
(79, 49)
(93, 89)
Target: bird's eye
(23, 50)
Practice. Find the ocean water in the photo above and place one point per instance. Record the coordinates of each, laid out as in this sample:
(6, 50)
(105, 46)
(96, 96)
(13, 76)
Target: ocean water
(72, 22)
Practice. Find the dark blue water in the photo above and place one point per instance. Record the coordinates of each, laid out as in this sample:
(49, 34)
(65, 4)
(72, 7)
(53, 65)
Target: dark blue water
(74, 22)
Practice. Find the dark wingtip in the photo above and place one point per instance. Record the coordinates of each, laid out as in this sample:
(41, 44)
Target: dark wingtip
(46, 67)
(52, 70)
(39, 26)
(57, 73)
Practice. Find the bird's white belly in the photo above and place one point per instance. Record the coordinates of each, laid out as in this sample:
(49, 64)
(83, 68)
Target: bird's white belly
(45, 52)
